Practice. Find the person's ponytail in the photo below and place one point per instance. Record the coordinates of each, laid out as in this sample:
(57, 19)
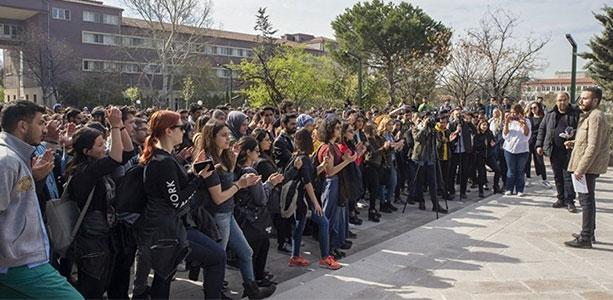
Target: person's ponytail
(149, 146)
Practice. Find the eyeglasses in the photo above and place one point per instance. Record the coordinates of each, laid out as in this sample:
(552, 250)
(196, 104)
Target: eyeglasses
(533, 107)
(182, 126)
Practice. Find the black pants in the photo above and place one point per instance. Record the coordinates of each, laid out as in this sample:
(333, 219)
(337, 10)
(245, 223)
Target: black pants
(260, 254)
(539, 164)
(459, 162)
(480, 162)
(427, 176)
(283, 227)
(126, 252)
(371, 180)
(564, 184)
(444, 184)
(588, 207)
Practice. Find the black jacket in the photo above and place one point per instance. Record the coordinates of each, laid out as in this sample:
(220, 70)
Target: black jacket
(548, 125)
(468, 132)
(283, 147)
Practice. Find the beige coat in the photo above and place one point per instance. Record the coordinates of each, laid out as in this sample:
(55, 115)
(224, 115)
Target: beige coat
(591, 151)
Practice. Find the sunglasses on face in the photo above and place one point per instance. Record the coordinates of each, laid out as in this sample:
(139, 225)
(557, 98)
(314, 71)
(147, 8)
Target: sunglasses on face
(182, 126)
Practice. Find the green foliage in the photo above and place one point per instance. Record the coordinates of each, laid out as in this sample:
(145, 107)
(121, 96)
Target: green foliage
(187, 89)
(600, 65)
(1, 94)
(390, 36)
(305, 78)
(132, 94)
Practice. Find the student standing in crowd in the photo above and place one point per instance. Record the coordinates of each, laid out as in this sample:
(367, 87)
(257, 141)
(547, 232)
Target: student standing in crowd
(222, 188)
(516, 134)
(589, 159)
(536, 114)
(165, 232)
(557, 121)
(305, 189)
(25, 251)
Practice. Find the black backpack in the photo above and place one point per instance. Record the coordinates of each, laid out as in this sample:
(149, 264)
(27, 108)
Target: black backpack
(130, 197)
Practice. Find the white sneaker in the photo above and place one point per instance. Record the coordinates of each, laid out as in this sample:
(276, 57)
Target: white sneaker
(546, 184)
(507, 193)
(520, 195)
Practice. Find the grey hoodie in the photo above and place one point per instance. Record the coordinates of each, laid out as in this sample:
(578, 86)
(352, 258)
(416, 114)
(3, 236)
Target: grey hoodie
(23, 239)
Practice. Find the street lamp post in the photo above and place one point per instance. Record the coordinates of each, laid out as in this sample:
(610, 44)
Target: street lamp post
(573, 73)
(359, 59)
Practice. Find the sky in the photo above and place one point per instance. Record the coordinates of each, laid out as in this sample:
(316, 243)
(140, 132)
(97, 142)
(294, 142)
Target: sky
(539, 18)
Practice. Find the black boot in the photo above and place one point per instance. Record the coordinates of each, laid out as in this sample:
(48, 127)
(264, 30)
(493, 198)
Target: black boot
(372, 216)
(422, 205)
(253, 291)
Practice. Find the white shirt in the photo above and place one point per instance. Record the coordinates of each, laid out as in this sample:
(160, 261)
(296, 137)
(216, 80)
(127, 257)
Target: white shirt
(515, 141)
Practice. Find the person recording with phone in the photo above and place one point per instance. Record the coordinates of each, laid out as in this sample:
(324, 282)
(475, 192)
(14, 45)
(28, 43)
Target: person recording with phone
(516, 134)
(549, 143)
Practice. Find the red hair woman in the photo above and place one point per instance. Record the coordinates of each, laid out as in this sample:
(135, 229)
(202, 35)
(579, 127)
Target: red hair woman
(164, 236)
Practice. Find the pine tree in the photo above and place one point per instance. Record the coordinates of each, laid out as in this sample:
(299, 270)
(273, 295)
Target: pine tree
(600, 64)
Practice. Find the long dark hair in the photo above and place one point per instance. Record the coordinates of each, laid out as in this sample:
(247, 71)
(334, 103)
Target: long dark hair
(325, 131)
(245, 143)
(83, 139)
(260, 134)
(303, 141)
(209, 132)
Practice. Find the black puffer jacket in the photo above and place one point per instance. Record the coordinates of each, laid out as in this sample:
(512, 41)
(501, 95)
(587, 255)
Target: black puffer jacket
(548, 126)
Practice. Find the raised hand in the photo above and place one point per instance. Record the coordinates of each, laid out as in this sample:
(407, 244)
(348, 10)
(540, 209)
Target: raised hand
(275, 178)
(113, 114)
(186, 153)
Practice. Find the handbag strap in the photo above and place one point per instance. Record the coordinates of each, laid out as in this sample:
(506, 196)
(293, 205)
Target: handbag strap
(82, 214)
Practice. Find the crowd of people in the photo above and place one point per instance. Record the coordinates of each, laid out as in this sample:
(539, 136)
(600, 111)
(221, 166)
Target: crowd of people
(207, 187)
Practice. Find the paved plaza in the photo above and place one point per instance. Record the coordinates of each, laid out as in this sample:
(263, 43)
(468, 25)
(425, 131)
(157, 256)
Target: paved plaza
(498, 248)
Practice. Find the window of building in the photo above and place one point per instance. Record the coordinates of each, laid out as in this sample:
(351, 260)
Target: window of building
(99, 38)
(110, 19)
(60, 13)
(27, 97)
(249, 53)
(8, 31)
(239, 52)
(213, 50)
(34, 97)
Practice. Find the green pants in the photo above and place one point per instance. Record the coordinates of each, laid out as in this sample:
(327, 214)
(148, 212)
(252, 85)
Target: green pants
(36, 283)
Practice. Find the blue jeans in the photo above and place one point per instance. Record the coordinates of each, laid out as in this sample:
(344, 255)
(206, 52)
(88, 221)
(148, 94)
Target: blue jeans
(516, 166)
(39, 282)
(324, 233)
(232, 236)
(333, 212)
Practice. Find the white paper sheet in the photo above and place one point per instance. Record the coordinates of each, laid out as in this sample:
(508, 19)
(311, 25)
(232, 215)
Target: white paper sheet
(579, 185)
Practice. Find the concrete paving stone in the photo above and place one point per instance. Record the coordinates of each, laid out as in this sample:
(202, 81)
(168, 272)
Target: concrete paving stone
(562, 285)
(493, 287)
(504, 271)
(599, 295)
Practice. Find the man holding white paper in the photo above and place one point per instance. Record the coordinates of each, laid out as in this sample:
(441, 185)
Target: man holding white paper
(589, 159)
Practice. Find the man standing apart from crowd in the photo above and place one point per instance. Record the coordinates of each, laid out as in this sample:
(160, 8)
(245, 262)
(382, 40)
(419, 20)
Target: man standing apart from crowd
(589, 159)
(25, 271)
(550, 143)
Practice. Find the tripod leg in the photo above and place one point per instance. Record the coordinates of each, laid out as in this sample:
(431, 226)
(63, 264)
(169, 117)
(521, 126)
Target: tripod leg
(412, 187)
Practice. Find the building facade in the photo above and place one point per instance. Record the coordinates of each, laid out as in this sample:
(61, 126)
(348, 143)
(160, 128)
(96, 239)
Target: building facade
(101, 40)
(560, 82)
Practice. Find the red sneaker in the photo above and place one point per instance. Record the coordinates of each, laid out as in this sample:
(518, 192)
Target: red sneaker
(298, 261)
(329, 263)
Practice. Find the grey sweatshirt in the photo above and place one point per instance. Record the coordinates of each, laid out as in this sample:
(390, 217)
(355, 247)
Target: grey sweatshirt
(23, 239)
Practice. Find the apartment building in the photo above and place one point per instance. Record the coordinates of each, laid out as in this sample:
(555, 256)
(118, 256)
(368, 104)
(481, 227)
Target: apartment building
(102, 40)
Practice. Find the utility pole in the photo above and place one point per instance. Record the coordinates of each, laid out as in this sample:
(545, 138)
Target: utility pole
(573, 72)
